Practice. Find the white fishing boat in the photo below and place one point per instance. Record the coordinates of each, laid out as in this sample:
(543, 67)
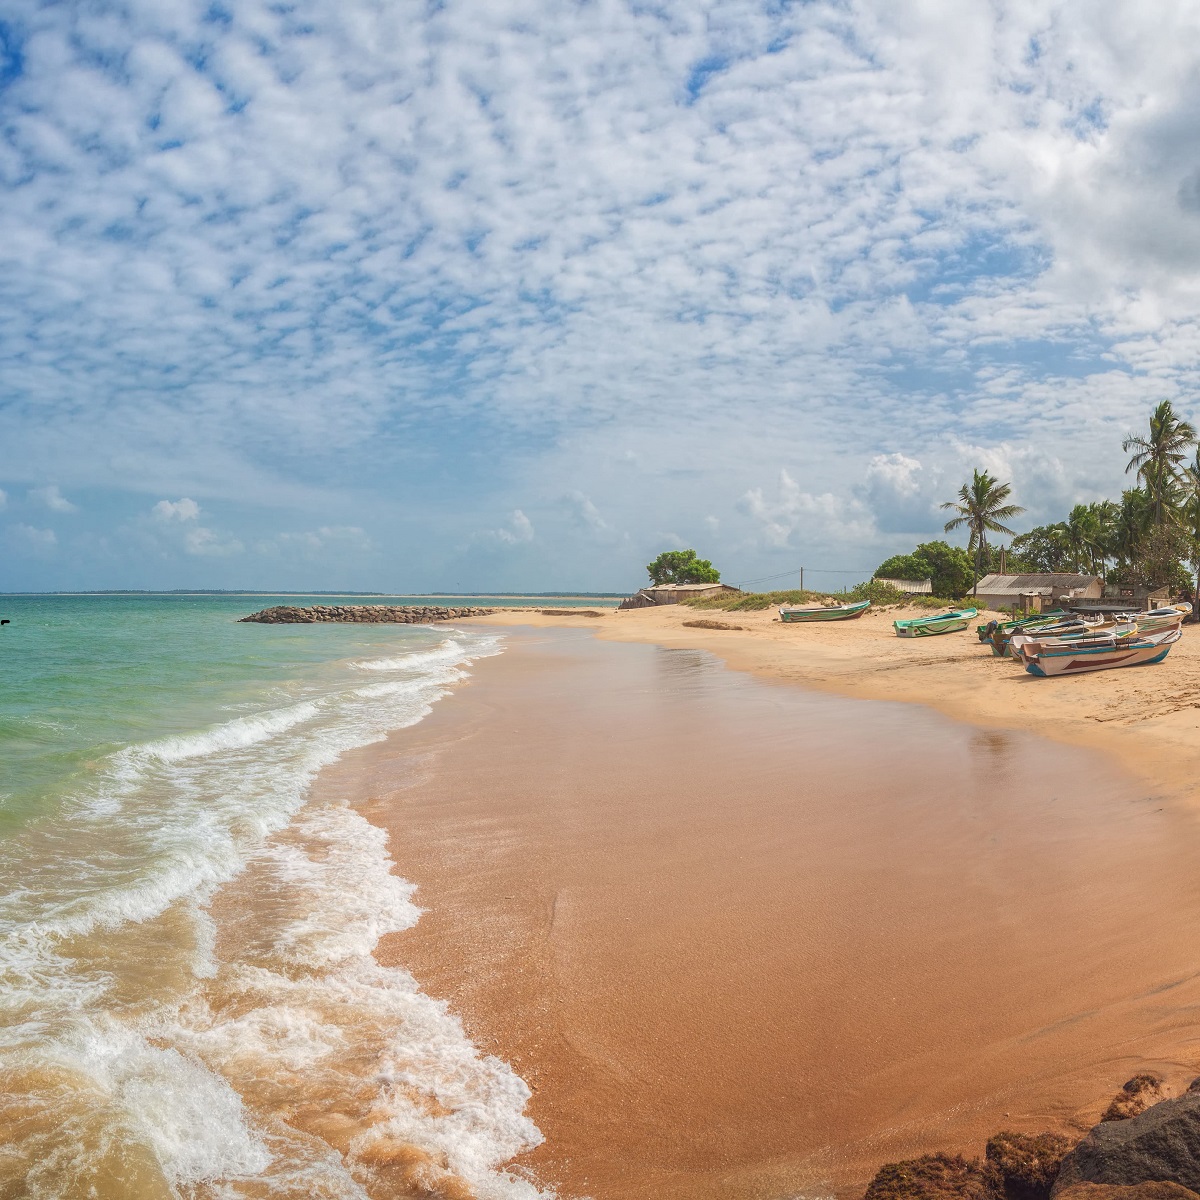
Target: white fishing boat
(1103, 654)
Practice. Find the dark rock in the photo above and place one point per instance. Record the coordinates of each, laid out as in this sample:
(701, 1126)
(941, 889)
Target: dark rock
(1159, 1189)
(936, 1177)
(1160, 1144)
(1028, 1163)
(1134, 1097)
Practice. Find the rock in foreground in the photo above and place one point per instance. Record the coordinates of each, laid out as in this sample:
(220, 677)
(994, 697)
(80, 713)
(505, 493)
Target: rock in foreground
(1028, 1162)
(1160, 1144)
(1135, 1097)
(363, 614)
(936, 1177)
(1157, 1190)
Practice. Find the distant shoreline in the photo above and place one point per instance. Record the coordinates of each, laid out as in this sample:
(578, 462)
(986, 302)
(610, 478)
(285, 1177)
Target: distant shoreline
(371, 595)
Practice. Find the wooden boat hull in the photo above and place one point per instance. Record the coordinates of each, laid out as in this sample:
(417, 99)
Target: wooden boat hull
(1046, 661)
(836, 612)
(951, 622)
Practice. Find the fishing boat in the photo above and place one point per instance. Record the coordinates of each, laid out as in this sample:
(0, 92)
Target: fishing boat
(1101, 655)
(948, 622)
(1154, 620)
(986, 630)
(1047, 627)
(823, 612)
(1105, 632)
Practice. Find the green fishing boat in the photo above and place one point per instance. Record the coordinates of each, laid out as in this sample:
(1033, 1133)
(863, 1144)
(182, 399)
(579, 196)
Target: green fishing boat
(823, 612)
(954, 621)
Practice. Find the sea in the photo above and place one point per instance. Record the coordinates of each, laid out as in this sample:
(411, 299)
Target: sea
(189, 1006)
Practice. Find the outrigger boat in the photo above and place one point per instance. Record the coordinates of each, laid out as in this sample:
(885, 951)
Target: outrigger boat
(1051, 627)
(948, 622)
(823, 612)
(1106, 632)
(986, 630)
(1047, 658)
(1154, 620)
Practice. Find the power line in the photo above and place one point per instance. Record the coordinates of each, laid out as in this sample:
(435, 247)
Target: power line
(811, 570)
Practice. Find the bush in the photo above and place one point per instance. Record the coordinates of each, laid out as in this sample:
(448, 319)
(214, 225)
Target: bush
(877, 592)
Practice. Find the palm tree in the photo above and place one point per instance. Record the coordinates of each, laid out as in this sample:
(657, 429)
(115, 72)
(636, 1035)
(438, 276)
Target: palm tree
(1156, 458)
(1128, 527)
(1191, 518)
(981, 508)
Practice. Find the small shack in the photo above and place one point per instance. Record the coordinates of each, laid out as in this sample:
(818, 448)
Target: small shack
(672, 593)
(1038, 591)
(910, 587)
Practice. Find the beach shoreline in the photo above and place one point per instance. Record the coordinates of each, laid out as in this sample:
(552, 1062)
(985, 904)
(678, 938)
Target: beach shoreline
(529, 900)
(1148, 720)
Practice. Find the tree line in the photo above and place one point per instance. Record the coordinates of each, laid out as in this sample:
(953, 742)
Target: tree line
(1149, 537)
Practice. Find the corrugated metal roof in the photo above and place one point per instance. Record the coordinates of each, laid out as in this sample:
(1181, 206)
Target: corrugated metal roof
(1031, 583)
(914, 587)
(687, 587)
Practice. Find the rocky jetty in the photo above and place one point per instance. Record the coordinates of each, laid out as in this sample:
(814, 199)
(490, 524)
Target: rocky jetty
(362, 614)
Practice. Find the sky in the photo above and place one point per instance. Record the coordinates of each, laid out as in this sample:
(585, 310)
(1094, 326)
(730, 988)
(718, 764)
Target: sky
(515, 294)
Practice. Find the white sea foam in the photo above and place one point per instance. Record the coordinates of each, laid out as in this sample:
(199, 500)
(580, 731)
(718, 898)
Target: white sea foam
(450, 651)
(112, 974)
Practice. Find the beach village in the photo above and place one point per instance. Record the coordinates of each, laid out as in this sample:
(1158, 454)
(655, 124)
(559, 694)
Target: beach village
(1104, 589)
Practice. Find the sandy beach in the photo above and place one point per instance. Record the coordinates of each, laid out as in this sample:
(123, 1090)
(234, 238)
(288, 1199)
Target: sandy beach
(1149, 719)
(750, 940)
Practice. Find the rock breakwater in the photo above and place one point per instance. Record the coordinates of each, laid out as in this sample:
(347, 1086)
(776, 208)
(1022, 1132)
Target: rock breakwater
(363, 614)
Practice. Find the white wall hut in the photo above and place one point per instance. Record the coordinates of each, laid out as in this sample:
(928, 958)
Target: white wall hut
(672, 593)
(1003, 591)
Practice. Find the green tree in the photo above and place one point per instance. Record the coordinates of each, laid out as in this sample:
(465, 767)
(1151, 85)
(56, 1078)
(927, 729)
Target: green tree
(1043, 548)
(982, 508)
(949, 567)
(1191, 523)
(682, 566)
(1156, 459)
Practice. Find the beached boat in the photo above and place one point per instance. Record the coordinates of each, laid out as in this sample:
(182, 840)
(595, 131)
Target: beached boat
(1104, 632)
(1101, 655)
(1154, 620)
(986, 630)
(948, 622)
(823, 612)
(1047, 627)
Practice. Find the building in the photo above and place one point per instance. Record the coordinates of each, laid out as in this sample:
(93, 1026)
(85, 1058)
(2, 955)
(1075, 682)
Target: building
(672, 593)
(1037, 591)
(910, 587)
(1126, 597)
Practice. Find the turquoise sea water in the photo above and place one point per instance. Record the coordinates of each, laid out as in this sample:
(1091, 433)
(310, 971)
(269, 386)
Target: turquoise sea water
(186, 984)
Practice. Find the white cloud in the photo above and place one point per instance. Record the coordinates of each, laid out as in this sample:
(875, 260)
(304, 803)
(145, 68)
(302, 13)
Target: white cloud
(327, 537)
(3, 498)
(518, 531)
(176, 510)
(799, 512)
(31, 540)
(314, 249)
(208, 543)
(51, 498)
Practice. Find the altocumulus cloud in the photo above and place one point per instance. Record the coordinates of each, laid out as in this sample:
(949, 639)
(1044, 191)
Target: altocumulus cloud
(391, 266)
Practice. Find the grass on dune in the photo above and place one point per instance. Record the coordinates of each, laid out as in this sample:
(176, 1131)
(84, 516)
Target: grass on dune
(880, 595)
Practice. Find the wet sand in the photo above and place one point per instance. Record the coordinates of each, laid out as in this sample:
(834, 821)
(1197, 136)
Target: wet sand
(1149, 718)
(748, 940)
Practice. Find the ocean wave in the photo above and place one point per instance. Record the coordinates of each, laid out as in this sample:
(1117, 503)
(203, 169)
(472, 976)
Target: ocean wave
(139, 1042)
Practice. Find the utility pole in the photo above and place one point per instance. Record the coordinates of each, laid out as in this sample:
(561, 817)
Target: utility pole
(802, 579)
